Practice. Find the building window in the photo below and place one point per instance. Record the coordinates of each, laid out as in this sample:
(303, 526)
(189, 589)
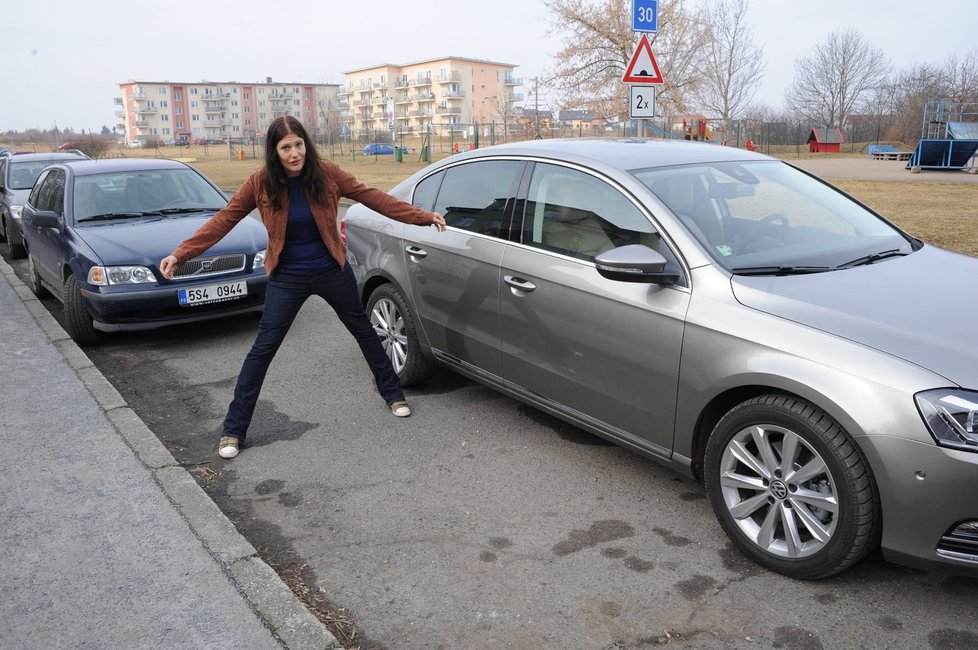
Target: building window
(178, 110)
(195, 118)
(177, 97)
(164, 103)
(193, 91)
(194, 104)
(164, 117)
(180, 124)
(162, 90)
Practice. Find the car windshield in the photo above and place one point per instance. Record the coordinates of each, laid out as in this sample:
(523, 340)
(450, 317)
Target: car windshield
(156, 192)
(767, 217)
(23, 174)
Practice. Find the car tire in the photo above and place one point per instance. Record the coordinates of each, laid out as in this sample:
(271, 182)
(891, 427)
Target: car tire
(772, 515)
(3, 228)
(34, 279)
(78, 320)
(16, 251)
(394, 324)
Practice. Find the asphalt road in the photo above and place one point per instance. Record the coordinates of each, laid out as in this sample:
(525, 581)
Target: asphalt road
(482, 523)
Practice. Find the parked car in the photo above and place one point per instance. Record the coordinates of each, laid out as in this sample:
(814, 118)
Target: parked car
(96, 231)
(18, 171)
(717, 310)
(379, 149)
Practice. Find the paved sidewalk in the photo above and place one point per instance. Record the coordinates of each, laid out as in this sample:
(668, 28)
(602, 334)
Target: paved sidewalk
(105, 541)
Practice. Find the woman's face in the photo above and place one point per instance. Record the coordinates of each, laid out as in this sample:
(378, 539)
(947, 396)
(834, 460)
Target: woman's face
(292, 154)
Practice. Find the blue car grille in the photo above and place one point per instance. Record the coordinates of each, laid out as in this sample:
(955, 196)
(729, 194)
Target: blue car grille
(200, 267)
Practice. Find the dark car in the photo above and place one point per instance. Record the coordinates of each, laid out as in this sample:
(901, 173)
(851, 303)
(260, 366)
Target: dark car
(96, 231)
(18, 171)
(379, 149)
(717, 310)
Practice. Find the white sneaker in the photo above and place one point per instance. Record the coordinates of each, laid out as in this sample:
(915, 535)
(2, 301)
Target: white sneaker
(228, 448)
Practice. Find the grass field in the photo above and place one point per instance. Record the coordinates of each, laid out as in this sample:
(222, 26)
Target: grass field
(943, 214)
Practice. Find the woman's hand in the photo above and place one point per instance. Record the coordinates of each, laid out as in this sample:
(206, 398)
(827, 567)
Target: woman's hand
(167, 266)
(438, 222)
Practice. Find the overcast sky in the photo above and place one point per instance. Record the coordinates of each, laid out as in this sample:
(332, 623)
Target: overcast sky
(53, 49)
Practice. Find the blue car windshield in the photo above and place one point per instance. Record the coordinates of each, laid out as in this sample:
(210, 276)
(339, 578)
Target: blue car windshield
(143, 192)
(754, 217)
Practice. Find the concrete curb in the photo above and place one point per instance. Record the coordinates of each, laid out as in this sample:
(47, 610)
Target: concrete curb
(269, 597)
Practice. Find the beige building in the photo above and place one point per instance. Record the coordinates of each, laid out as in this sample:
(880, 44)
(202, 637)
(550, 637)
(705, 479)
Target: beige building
(155, 111)
(440, 93)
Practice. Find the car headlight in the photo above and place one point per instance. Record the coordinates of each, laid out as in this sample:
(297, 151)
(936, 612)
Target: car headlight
(260, 259)
(105, 275)
(15, 211)
(952, 416)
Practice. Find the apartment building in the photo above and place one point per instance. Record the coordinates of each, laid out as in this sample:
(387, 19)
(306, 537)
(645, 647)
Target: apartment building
(161, 111)
(439, 93)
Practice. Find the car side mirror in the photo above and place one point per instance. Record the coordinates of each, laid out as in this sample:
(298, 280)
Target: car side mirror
(635, 263)
(46, 219)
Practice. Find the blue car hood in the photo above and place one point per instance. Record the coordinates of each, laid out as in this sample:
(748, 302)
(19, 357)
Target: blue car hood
(920, 307)
(147, 241)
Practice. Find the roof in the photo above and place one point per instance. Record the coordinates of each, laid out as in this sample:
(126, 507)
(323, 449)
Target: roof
(620, 153)
(83, 167)
(831, 135)
(437, 58)
(50, 155)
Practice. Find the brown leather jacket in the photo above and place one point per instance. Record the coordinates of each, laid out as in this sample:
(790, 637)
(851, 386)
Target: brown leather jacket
(252, 195)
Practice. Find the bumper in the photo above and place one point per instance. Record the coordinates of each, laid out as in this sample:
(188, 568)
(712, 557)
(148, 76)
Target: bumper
(926, 492)
(121, 309)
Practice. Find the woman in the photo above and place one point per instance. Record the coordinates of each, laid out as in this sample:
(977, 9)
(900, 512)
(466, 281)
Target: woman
(297, 195)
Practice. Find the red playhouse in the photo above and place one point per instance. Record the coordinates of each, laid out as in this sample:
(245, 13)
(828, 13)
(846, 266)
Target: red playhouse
(828, 140)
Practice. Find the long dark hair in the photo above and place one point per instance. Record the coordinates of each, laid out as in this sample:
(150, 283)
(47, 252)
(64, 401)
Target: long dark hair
(312, 177)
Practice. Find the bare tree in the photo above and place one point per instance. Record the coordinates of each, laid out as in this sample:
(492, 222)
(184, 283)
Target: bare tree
(598, 46)
(832, 81)
(734, 66)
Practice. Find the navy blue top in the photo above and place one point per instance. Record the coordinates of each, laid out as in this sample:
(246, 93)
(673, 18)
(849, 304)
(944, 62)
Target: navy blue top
(304, 252)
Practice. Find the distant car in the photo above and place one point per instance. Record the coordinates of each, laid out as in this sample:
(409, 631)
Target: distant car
(379, 149)
(96, 231)
(717, 310)
(18, 171)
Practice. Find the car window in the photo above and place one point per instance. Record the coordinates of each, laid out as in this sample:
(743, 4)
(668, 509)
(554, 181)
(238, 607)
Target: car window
(759, 215)
(474, 196)
(577, 214)
(50, 192)
(176, 191)
(3, 173)
(427, 190)
(24, 174)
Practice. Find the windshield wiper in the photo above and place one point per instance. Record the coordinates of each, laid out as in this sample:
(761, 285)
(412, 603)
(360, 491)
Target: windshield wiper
(872, 258)
(113, 215)
(779, 269)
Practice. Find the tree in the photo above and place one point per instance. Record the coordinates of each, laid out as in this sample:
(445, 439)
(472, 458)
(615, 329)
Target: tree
(598, 46)
(835, 78)
(734, 67)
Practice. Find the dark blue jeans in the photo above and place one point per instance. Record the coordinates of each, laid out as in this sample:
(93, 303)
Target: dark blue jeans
(284, 297)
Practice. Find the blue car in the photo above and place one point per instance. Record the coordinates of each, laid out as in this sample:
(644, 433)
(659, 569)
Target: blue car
(95, 232)
(380, 149)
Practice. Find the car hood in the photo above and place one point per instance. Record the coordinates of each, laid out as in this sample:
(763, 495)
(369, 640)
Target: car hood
(919, 307)
(147, 241)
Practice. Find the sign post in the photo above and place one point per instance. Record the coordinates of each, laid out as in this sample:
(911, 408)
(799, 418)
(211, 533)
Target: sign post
(643, 69)
(641, 103)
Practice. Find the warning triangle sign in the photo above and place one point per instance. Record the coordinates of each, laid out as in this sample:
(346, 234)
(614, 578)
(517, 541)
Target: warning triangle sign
(643, 68)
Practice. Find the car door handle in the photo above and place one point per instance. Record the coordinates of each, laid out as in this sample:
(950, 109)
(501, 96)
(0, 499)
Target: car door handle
(519, 286)
(415, 252)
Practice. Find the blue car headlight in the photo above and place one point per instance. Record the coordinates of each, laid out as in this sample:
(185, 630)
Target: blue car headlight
(952, 416)
(259, 259)
(105, 275)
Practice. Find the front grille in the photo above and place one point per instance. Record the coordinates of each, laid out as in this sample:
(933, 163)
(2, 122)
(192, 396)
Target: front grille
(960, 541)
(202, 267)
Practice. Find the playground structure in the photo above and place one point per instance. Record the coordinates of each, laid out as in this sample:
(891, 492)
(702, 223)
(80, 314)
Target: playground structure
(948, 137)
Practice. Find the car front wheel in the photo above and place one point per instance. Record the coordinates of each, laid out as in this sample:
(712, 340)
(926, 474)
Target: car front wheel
(15, 250)
(34, 279)
(790, 487)
(394, 324)
(78, 320)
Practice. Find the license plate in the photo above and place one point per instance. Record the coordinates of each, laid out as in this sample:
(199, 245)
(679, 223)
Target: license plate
(212, 293)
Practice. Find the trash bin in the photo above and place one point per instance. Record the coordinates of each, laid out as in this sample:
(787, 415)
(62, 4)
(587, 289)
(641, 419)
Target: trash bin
(241, 154)
(424, 153)
(399, 154)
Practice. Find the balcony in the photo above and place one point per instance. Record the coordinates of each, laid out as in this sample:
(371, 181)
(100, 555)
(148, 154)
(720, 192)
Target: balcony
(448, 110)
(423, 97)
(449, 77)
(421, 81)
(512, 81)
(140, 123)
(453, 94)
(402, 83)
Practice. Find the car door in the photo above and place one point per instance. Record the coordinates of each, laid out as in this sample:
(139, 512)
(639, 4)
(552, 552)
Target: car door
(47, 195)
(606, 351)
(454, 275)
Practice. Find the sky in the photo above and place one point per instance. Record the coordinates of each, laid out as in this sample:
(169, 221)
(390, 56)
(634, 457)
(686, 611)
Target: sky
(51, 50)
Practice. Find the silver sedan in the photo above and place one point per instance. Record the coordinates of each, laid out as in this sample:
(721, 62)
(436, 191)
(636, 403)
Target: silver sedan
(714, 309)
